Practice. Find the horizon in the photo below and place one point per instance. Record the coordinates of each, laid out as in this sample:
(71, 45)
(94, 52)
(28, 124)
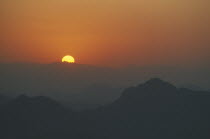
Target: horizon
(197, 65)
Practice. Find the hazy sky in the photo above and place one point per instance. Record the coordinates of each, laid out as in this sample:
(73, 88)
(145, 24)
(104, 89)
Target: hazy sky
(105, 32)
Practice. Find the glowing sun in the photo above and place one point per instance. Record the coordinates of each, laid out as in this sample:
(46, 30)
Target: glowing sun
(68, 59)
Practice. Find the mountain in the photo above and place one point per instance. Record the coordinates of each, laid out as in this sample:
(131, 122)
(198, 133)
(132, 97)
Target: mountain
(153, 87)
(70, 83)
(60, 81)
(155, 109)
(194, 87)
(35, 117)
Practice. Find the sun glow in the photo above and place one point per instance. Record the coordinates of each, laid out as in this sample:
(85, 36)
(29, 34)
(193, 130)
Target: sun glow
(68, 59)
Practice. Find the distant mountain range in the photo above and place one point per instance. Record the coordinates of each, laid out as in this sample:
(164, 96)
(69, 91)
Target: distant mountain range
(153, 110)
(85, 86)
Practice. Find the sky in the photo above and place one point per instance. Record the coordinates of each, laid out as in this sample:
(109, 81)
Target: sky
(106, 32)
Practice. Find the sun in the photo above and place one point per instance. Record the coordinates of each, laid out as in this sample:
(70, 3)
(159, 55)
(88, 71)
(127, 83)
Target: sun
(68, 59)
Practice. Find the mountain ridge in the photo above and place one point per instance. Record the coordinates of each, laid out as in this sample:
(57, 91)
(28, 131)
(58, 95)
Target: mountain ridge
(135, 114)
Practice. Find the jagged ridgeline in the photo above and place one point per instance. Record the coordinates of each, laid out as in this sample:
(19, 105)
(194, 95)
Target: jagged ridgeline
(153, 110)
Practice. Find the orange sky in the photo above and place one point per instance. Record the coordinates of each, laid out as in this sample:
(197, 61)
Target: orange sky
(105, 32)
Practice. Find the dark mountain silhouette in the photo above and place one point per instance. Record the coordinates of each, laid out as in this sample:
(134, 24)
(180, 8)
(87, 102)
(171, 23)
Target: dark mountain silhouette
(193, 87)
(70, 83)
(153, 110)
(35, 117)
(153, 87)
